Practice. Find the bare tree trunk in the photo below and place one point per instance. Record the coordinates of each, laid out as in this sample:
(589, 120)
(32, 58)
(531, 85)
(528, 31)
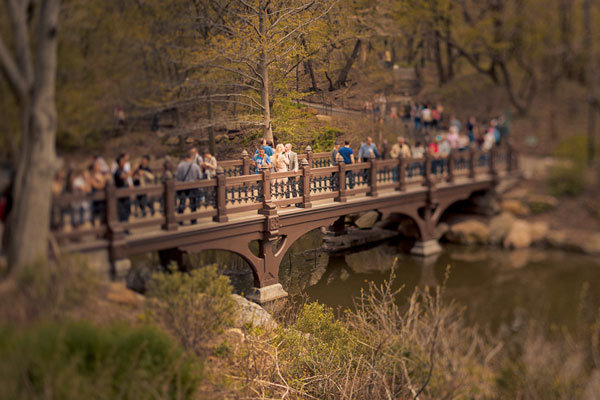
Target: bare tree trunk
(449, 52)
(437, 52)
(33, 84)
(211, 130)
(590, 78)
(263, 71)
(343, 76)
(308, 67)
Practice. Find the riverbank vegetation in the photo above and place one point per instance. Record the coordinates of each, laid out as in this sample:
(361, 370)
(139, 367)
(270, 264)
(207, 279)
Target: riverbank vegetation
(182, 343)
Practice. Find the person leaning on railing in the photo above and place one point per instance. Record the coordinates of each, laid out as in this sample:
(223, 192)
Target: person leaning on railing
(347, 155)
(188, 171)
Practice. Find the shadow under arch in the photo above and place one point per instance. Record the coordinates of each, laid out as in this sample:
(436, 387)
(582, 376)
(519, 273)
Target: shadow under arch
(229, 263)
(459, 203)
(408, 226)
(232, 246)
(304, 262)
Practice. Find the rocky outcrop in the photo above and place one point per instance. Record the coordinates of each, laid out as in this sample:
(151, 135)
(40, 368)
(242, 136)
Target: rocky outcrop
(515, 207)
(519, 235)
(468, 232)
(367, 220)
(539, 230)
(500, 226)
(579, 241)
(251, 313)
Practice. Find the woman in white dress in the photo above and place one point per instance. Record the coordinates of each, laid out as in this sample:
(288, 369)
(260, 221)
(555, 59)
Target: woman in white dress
(281, 163)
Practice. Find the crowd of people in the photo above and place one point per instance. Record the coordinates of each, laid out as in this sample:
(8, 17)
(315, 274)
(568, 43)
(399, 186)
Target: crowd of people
(87, 181)
(429, 138)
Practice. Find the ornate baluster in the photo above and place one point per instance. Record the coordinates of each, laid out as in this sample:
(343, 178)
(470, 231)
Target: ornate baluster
(372, 176)
(305, 179)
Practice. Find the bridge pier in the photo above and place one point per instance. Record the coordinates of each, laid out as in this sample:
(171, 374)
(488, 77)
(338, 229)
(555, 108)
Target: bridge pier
(266, 294)
(426, 248)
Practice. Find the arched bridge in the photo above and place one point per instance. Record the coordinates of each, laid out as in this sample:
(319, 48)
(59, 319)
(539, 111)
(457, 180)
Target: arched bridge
(275, 209)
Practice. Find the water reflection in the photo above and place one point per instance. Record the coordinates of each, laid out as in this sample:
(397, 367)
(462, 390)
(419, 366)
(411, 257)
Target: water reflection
(497, 286)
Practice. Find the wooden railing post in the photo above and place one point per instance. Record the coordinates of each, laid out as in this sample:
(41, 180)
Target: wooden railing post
(401, 173)
(342, 197)
(372, 176)
(169, 202)
(472, 155)
(245, 163)
(114, 231)
(309, 155)
(427, 173)
(268, 208)
(492, 162)
(450, 161)
(306, 167)
(220, 200)
(511, 158)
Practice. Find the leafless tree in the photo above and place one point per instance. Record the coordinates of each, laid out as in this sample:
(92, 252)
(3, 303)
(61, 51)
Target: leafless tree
(30, 70)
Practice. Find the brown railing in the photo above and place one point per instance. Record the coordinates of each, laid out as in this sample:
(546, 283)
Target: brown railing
(111, 213)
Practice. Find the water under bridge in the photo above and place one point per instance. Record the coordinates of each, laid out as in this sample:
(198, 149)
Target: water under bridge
(276, 208)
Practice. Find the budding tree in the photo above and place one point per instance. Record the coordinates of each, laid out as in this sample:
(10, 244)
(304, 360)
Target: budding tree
(30, 70)
(257, 43)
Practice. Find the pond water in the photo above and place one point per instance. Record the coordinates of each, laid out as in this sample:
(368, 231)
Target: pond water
(497, 287)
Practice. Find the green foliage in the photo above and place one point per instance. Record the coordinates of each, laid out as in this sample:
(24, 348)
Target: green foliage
(325, 141)
(223, 350)
(77, 360)
(573, 148)
(566, 180)
(539, 207)
(194, 306)
(293, 123)
(318, 321)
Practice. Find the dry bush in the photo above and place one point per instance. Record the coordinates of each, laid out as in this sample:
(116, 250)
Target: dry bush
(47, 290)
(377, 351)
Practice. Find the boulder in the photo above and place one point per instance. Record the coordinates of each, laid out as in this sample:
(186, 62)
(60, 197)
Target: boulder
(515, 207)
(367, 220)
(234, 337)
(575, 240)
(591, 244)
(519, 235)
(138, 277)
(539, 230)
(251, 313)
(500, 226)
(468, 232)
(440, 230)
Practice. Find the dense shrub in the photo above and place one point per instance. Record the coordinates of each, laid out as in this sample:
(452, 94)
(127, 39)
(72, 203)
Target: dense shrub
(193, 306)
(77, 360)
(566, 180)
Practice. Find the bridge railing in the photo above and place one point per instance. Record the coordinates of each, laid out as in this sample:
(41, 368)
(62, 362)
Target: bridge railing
(243, 166)
(112, 213)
